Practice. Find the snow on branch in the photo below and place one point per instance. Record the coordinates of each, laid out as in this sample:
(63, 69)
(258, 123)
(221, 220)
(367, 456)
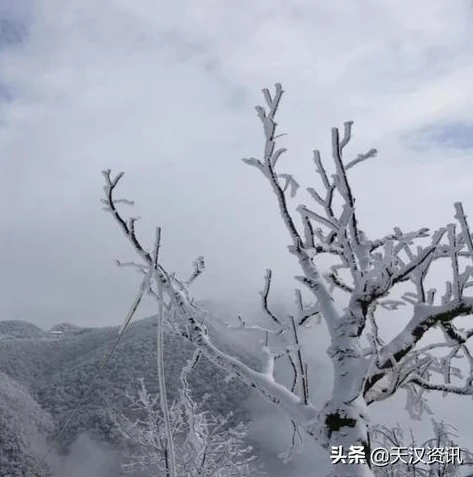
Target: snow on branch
(191, 320)
(443, 437)
(300, 248)
(375, 266)
(366, 270)
(208, 444)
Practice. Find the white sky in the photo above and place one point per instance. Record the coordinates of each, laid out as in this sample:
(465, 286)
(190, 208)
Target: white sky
(165, 91)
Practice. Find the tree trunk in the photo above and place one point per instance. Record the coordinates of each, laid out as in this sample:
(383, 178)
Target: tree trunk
(346, 414)
(347, 426)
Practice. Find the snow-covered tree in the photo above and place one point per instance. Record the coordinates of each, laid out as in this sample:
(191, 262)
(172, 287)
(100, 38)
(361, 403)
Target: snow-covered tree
(207, 445)
(423, 459)
(366, 368)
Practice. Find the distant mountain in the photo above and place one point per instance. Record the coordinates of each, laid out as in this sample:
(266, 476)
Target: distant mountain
(57, 373)
(20, 329)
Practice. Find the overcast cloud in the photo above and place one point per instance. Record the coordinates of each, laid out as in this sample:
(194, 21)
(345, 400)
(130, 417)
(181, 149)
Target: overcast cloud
(165, 92)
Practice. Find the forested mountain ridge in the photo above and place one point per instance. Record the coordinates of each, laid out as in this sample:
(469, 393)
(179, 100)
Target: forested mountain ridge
(20, 329)
(51, 375)
(23, 427)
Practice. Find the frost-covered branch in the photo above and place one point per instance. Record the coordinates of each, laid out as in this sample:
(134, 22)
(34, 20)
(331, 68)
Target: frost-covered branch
(402, 351)
(439, 455)
(367, 367)
(208, 444)
(313, 279)
(265, 303)
(191, 325)
(169, 449)
(428, 315)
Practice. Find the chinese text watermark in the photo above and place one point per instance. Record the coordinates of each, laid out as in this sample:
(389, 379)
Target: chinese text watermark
(381, 456)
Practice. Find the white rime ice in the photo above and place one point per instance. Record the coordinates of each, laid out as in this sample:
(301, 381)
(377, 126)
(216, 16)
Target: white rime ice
(366, 368)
